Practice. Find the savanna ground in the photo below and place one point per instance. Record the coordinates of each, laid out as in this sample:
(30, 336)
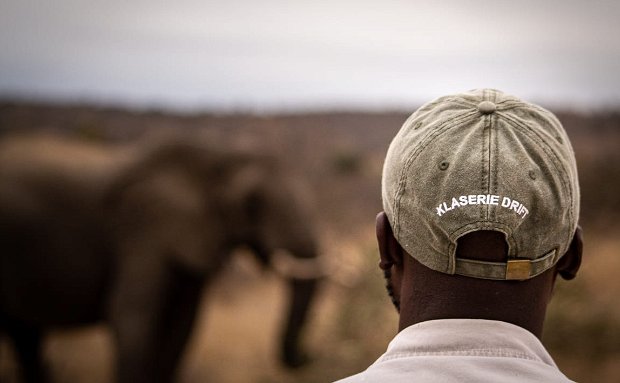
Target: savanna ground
(340, 155)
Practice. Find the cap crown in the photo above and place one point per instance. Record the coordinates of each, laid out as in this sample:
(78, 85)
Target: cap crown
(482, 160)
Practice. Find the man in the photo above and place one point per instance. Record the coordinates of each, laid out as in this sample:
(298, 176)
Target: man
(481, 203)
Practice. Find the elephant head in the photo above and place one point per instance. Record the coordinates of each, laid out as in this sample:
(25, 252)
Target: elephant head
(194, 205)
(273, 218)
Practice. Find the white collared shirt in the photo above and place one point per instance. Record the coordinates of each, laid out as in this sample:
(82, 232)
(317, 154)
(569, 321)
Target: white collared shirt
(462, 350)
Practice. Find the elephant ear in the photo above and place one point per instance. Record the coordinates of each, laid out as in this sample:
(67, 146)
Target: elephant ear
(166, 206)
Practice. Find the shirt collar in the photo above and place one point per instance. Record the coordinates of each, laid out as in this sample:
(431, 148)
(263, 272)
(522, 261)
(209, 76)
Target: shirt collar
(477, 337)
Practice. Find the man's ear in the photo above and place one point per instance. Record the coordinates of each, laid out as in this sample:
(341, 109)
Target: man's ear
(389, 249)
(569, 264)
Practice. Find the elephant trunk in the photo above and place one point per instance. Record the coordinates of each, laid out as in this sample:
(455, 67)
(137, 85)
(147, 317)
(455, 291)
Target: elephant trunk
(301, 296)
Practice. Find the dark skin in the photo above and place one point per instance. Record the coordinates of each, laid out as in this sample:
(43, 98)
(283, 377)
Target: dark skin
(421, 294)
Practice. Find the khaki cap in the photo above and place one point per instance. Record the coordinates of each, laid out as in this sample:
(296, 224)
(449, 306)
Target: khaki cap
(482, 160)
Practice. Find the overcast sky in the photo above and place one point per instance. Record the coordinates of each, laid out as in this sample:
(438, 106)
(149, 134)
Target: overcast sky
(283, 54)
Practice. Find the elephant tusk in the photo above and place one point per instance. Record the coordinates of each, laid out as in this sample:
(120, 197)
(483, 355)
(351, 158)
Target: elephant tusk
(289, 266)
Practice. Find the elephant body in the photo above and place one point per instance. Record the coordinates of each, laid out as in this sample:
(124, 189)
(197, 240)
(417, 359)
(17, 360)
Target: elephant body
(132, 236)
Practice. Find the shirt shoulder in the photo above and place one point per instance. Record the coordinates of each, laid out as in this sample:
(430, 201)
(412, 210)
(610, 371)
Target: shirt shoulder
(465, 350)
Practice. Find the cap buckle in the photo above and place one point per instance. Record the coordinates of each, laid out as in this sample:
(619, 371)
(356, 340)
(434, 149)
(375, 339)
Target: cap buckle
(518, 269)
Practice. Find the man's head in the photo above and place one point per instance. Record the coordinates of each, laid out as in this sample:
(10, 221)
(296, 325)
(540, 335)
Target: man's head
(481, 199)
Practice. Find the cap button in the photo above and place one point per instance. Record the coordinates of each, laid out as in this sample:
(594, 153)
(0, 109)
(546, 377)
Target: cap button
(487, 107)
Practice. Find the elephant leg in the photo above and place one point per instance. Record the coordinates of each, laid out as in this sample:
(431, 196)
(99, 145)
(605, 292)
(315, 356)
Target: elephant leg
(27, 341)
(153, 308)
(135, 312)
(301, 296)
(185, 291)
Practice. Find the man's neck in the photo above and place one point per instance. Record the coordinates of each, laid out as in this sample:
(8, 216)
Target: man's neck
(428, 295)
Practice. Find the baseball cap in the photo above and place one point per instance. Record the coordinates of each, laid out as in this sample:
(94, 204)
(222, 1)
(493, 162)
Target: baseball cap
(482, 160)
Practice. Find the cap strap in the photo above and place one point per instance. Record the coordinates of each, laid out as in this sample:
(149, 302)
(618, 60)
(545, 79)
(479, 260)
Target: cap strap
(514, 269)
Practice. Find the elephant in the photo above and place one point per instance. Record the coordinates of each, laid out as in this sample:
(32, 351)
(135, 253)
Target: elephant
(132, 235)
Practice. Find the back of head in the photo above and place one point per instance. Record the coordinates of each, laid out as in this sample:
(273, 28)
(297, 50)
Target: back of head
(482, 161)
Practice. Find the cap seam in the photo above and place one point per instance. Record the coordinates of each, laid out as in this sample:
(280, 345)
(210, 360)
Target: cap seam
(489, 126)
(511, 104)
(460, 101)
(494, 186)
(491, 136)
(483, 150)
(491, 95)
